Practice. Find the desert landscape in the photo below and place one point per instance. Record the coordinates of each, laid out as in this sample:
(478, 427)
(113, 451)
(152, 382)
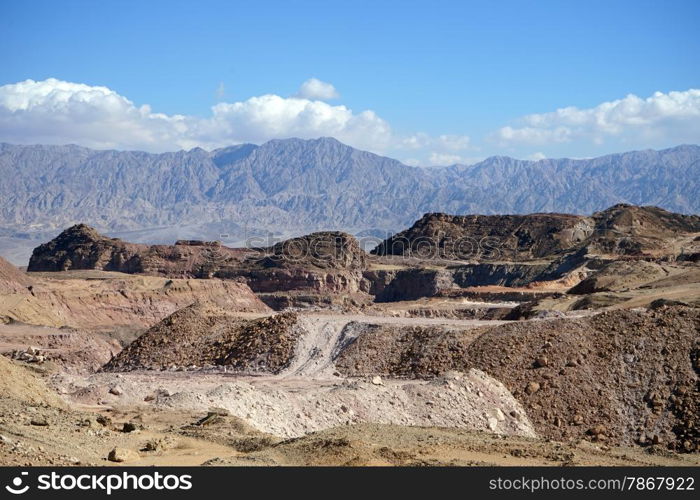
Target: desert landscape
(543, 339)
(434, 247)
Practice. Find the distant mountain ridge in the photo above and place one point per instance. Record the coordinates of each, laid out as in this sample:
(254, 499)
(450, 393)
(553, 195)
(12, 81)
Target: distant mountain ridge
(305, 185)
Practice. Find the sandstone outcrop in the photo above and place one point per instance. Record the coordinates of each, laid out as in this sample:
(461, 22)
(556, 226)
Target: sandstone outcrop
(98, 299)
(323, 262)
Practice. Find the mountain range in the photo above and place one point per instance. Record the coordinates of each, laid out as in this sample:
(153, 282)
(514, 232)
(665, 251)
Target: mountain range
(293, 186)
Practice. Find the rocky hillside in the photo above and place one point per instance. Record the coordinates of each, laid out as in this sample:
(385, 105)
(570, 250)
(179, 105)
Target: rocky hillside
(324, 250)
(12, 280)
(82, 247)
(620, 230)
(320, 264)
(636, 373)
(105, 300)
(488, 237)
(300, 185)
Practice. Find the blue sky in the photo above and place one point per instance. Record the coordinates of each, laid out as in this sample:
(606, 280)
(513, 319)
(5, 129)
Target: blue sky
(443, 81)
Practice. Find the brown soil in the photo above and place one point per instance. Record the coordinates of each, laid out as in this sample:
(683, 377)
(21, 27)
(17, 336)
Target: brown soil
(620, 275)
(19, 383)
(166, 438)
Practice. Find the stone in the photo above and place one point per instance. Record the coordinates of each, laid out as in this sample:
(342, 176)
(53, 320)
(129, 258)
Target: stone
(39, 421)
(377, 380)
(493, 424)
(532, 387)
(159, 444)
(131, 427)
(116, 390)
(541, 362)
(221, 412)
(598, 429)
(497, 414)
(122, 455)
(103, 420)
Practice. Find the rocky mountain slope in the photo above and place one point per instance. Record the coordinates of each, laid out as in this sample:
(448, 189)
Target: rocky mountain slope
(635, 372)
(302, 185)
(12, 280)
(619, 230)
(440, 254)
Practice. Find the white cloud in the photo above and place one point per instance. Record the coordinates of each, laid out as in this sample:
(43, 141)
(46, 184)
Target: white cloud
(313, 88)
(59, 112)
(440, 159)
(632, 120)
(422, 140)
(439, 150)
(270, 116)
(539, 155)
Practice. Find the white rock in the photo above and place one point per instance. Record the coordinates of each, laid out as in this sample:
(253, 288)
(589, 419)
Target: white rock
(493, 424)
(497, 414)
(116, 390)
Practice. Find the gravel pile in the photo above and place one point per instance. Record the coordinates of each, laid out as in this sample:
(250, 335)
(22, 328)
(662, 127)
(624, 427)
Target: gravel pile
(200, 336)
(618, 377)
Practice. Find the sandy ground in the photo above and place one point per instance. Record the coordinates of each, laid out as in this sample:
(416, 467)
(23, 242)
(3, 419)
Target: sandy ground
(294, 406)
(173, 437)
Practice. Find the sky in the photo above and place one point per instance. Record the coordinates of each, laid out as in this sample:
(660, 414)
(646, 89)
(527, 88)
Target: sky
(426, 82)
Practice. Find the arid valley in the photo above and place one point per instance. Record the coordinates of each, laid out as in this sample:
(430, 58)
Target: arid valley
(543, 339)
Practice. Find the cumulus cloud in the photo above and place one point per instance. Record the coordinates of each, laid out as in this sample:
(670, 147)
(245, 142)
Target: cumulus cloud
(443, 149)
(58, 112)
(313, 88)
(270, 116)
(632, 120)
(446, 142)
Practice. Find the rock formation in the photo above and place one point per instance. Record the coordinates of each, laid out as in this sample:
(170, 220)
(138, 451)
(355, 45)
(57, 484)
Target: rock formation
(620, 230)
